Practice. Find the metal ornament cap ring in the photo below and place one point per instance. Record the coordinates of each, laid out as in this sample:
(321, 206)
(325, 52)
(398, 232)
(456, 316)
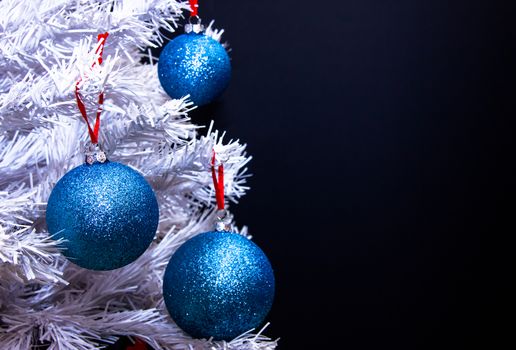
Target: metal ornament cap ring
(93, 153)
(194, 25)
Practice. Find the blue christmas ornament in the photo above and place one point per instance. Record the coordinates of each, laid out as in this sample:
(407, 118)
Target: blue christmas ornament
(106, 212)
(218, 284)
(194, 64)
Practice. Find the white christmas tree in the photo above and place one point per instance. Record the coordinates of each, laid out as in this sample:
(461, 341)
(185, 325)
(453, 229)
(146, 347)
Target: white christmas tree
(46, 46)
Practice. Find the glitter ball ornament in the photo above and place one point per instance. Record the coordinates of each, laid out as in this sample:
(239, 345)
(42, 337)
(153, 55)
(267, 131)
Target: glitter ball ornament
(194, 64)
(218, 284)
(105, 212)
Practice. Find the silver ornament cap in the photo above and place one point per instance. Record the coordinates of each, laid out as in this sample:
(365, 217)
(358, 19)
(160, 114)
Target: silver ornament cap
(223, 220)
(94, 153)
(194, 25)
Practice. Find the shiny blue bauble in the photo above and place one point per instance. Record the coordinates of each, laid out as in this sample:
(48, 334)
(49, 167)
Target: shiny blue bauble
(196, 65)
(218, 284)
(106, 213)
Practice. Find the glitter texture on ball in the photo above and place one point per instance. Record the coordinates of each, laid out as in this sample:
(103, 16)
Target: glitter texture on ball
(106, 213)
(218, 284)
(196, 65)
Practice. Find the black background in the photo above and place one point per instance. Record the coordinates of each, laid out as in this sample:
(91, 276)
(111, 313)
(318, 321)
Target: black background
(378, 131)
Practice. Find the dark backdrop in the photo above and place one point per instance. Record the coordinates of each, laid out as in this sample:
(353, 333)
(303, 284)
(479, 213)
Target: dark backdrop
(377, 130)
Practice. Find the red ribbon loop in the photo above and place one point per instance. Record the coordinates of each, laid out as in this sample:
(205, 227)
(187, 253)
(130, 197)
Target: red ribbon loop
(100, 49)
(94, 132)
(218, 184)
(194, 7)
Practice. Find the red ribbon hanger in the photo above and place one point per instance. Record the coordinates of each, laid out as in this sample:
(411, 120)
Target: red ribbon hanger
(218, 183)
(194, 8)
(94, 132)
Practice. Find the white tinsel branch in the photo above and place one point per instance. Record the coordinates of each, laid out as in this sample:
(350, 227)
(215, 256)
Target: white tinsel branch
(127, 301)
(45, 48)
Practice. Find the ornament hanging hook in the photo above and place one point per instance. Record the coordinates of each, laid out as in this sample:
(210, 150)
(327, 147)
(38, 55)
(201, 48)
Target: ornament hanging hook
(193, 20)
